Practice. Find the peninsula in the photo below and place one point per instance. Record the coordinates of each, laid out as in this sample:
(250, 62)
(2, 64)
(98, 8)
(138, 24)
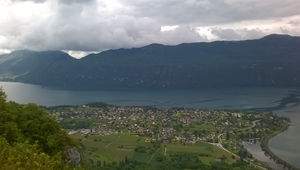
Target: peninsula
(116, 136)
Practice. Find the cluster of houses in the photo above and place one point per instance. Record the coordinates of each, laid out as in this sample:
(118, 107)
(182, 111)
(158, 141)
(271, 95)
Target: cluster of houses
(175, 124)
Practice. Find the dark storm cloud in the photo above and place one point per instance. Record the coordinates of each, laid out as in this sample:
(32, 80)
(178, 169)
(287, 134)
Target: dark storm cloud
(215, 11)
(36, 1)
(61, 1)
(76, 1)
(94, 25)
(237, 34)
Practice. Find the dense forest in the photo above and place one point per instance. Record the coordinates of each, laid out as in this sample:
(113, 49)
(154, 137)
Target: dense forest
(31, 139)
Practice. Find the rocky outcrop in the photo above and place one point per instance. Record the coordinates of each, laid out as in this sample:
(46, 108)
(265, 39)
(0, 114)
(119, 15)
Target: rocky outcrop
(74, 156)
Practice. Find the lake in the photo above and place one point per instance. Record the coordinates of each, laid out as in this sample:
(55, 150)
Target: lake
(257, 152)
(282, 101)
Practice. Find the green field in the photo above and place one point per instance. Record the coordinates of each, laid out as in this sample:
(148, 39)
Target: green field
(109, 148)
(100, 150)
(207, 153)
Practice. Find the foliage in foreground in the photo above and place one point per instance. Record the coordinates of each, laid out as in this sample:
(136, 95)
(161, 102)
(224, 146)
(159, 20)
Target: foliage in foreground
(26, 156)
(30, 138)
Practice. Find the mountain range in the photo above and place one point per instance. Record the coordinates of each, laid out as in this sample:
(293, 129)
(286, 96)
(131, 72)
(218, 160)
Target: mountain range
(272, 61)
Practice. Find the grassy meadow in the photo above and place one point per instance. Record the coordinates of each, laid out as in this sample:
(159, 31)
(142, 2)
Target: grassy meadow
(102, 150)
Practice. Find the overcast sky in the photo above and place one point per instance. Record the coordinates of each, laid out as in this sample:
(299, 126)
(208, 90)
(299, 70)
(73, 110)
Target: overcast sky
(83, 26)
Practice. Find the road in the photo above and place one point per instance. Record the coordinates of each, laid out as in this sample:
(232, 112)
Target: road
(219, 144)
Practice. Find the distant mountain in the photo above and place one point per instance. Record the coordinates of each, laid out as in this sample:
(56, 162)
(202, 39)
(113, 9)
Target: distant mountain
(272, 61)
(31, 66)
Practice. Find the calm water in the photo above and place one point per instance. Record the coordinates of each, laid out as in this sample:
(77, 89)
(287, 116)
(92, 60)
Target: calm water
(259, 154)
(287, 145)
(281, 101)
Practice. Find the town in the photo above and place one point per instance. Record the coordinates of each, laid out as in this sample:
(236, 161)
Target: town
(169, 125)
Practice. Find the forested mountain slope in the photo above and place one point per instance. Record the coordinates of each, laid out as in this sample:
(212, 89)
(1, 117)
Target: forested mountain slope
(272, 61)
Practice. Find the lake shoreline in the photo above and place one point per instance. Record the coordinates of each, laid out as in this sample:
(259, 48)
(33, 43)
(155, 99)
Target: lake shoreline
(265, 147)
(208, 98)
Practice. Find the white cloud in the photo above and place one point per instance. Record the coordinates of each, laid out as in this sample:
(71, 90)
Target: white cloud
(4, 51)
(168, 28)
(96, 25)
(80, 54)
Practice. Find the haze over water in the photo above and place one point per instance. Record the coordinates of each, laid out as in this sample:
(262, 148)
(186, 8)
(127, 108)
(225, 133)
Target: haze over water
(279, 100)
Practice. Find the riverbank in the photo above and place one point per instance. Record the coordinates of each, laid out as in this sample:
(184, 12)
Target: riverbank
(265, 147)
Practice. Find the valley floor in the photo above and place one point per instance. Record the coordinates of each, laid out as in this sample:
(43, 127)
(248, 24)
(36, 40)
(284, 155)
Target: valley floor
(110, 135)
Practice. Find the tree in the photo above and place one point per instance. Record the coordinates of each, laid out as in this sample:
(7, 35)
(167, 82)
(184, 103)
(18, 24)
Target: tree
(227, 136)
(30, 138)
(2, 96)
(24, 156)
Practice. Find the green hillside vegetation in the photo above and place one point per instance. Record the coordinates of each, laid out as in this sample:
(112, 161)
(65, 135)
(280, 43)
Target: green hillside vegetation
(30, 138)
(129, 151)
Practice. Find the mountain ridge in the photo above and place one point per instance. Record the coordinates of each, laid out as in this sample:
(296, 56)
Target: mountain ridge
(271, 61)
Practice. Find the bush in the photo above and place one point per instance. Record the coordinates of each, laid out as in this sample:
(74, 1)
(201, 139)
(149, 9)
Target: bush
(30, 138)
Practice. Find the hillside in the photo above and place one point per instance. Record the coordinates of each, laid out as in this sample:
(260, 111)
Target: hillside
(271, 61)
(31, 139)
